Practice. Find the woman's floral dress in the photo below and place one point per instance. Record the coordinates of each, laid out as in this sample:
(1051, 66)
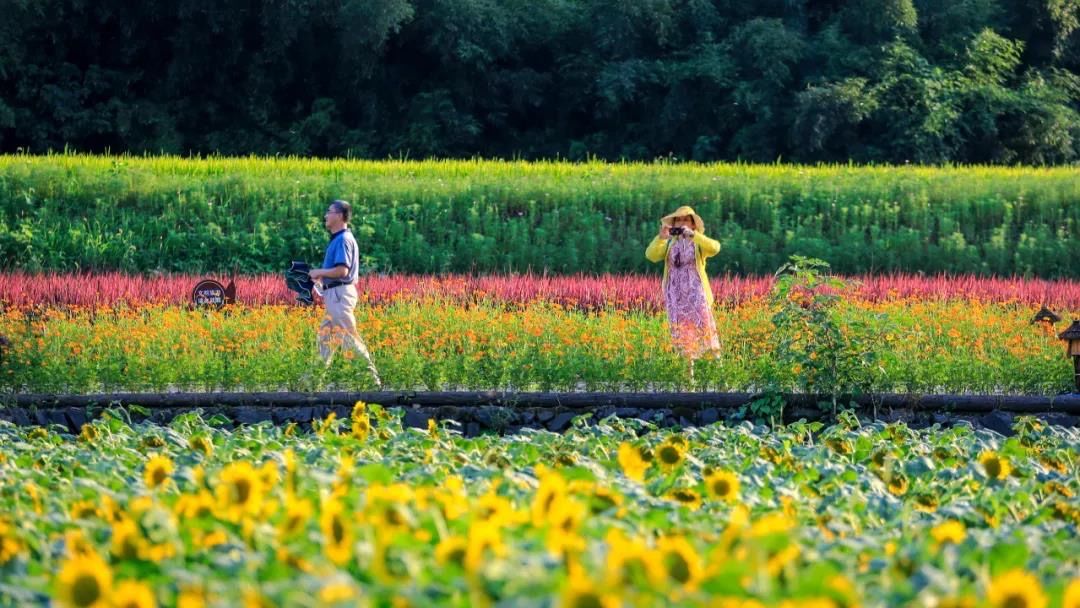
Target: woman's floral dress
(693, 326)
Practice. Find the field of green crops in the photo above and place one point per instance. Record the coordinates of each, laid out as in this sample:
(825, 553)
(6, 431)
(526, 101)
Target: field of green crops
(361, 512)
(255, 214)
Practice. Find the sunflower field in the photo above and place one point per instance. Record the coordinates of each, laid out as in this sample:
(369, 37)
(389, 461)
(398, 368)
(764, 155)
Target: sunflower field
(490, 275)
(359, 512)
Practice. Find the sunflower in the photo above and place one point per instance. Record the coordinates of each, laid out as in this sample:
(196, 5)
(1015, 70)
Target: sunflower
(631, 461)
(951, 531)
(1016, 589)
(779, 559)
(85, 581)
(389, 562)
(732, 602)
(361, 427)
(83, 509)
(843, 591)
(209, 540)
(687, 497)
(191, 597)
(942, 452)
(359, 409)
(723, 485)
(879, 457)
(603, 498)
(127, 540)
(490, 507)
(297, 514)
(389, 516)
(772, 454)
(326, 425)
(201, 444)
(288, 457)
(270, 474)
(338, 534)
(451, 550)
(336, 592)
(110, 510)
(583, 593)
(565, 521)
(670, 455)
(253, 598)
(962, 601)
(432, 428)
(679, 440)
(898, 484)
(10, 546)
(88, 433)
(771, 523)
(552, 490)
(157, 471)
(76, 543)
(840, 446)
(1072, 595)
(34, 492)
(681, 561)
(1053, 463)
(1066, 512)
(133, 594)
(927, 503)
(239, 491)
(195, 506)
(453, 501)
(630, 560)
(995, 465)
(483, 538)
(198, 475)
(345, 471)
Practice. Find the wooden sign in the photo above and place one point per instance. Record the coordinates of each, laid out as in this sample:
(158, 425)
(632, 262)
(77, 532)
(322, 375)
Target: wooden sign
(209, 292)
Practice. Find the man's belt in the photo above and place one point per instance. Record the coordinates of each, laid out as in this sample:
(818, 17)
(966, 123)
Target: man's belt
(333, 284)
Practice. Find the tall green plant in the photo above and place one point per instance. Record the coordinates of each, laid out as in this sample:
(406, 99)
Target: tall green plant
(816, 350)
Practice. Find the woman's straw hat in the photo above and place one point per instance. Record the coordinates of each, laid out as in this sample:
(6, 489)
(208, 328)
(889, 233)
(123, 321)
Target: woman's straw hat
(669, 219)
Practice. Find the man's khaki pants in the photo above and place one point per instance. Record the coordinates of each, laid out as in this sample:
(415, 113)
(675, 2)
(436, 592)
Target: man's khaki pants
(338, 328)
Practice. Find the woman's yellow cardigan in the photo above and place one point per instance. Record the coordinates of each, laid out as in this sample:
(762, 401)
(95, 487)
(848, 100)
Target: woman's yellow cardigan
(704, 248)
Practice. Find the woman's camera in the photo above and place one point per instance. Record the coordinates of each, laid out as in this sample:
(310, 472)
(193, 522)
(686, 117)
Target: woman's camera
(676, 230)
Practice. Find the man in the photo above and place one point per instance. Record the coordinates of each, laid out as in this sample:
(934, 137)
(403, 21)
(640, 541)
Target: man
(338, 277)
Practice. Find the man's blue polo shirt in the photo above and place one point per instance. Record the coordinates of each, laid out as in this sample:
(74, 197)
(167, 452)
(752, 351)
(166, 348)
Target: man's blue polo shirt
(342, 251)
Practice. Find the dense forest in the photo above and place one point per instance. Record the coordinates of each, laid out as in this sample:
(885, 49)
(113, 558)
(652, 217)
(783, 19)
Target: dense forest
(889, 81)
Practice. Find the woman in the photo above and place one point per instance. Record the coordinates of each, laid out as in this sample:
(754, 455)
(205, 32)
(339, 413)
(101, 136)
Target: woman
(688, 297)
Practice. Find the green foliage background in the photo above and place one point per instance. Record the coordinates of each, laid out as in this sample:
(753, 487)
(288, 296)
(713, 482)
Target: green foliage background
(921, 81)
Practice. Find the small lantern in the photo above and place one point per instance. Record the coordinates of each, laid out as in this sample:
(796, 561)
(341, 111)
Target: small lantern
(1045, 315)
(1073, 336)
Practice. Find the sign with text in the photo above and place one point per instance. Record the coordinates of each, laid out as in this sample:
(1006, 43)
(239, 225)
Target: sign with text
(209, 292)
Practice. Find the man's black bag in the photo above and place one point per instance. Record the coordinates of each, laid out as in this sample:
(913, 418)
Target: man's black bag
(297, 279)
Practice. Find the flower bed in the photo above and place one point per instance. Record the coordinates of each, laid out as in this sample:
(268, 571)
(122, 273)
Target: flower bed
(434, 344)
